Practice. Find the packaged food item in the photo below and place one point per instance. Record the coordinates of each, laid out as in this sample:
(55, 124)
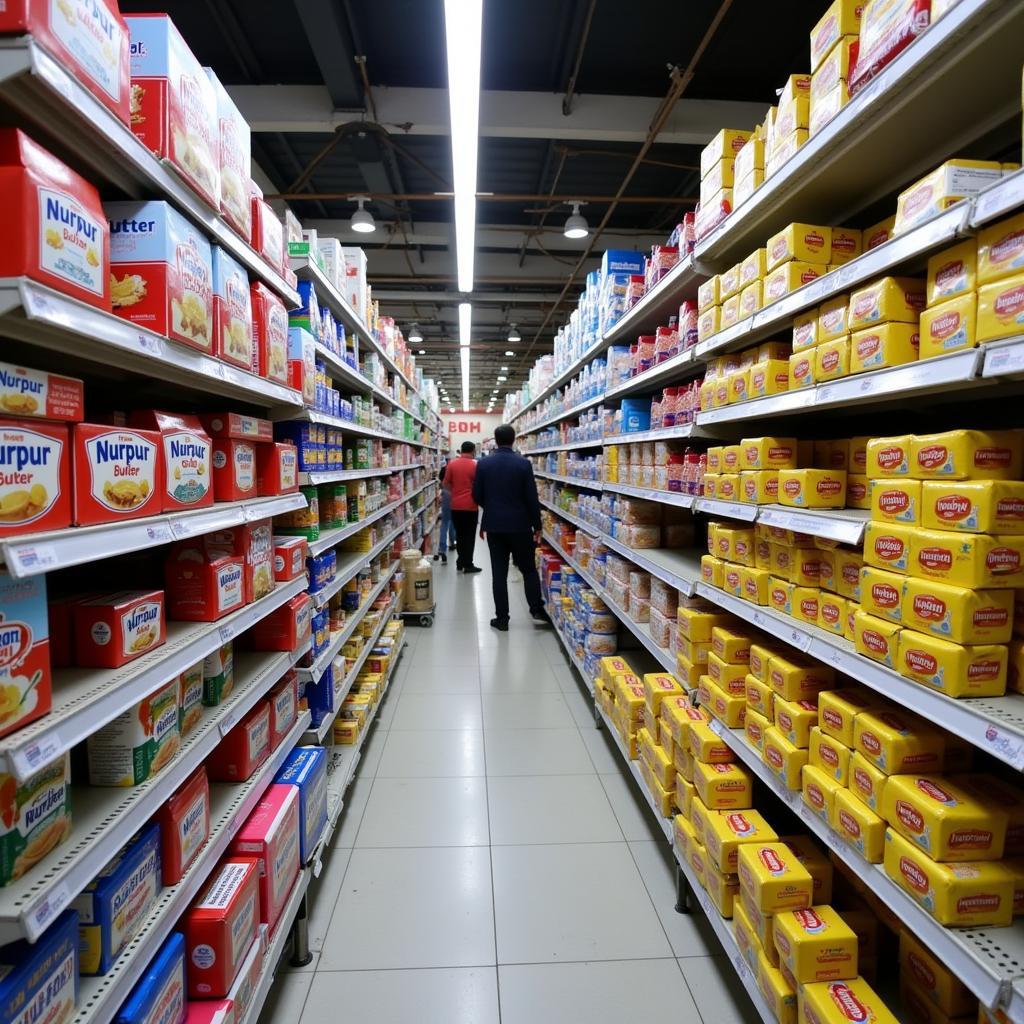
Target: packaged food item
(243, 749)
(899, 299)
(953, 272)
(859, 825)
(895, 500)
(267, 234)
(284, 707)
(832, 360)
(184, 826)
(1000, 308)
(764, 453)
(965, 616)
(36, 817)
(118, 474)
(218, 675)
(787, 277)
(237, 426)
(809, 243)
(896, 743)
(968, 455)
(783, 758)
(286, 628)
(974, 506)
(815, 944)
(794, 719)
(270, 330)
(173, 104)
(161, 272)
(187, 458)
(850, 999)
(29, 393)
(724, 146)
(232, 311)
(773, 878)
(277, 469)
(819, 791)
(137, 744)
(887, 546)
(113, 906)
(889, 344)
(306, 770)
(201, 588)
(235, 164)
(842, 18)
(35, 477)
(116, 628)
(220, 927)
(795, 680)
(159, 995)
(39, 981)
(958, 671)
(812, 488)
(947, 184)
(941, 986)
(289, 558)
(722, 786)
(234, 470)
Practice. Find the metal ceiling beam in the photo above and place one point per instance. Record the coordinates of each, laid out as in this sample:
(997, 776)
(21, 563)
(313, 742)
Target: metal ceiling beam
(328, 33)
(491, 197)
(503, 114)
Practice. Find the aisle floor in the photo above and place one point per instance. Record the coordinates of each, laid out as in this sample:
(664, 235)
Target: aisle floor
(494, 861)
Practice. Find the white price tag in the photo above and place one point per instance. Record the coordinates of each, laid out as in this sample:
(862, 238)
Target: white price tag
(318, 866)
(159, 533)
(36, 304)
(1000, 198)
(44, 913)
(226, 633)
(759, 619)
(742, 969)
(149, 343)
(181, 528)
(1005, 360)
(798, 638)
(867, 385)
(32, 558)
(1005, 746)
(227, 723)
(30, 758)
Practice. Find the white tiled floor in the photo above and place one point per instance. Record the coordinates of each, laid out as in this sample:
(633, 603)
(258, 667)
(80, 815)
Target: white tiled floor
(494, 862)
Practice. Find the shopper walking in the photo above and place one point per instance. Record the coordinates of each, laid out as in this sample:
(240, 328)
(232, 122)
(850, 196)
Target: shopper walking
(448, 538)
(506, 490)
(458, 481)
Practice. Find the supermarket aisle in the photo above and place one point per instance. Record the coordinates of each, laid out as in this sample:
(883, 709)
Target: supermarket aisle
(493, 856)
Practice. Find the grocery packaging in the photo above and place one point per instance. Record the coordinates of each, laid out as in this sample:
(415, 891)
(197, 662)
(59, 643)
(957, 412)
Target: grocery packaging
(235, 163)
(184, 826)
(187, 458)
(28, 393)
(118, 474)
(159, 995)
(306, 770)
(36, 817)
(35, 477)
(116, 628)
(232, 311)
(243, 749)
(25, 676)
(41, 977)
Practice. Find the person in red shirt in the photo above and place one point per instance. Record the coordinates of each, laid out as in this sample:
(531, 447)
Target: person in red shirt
(458, 481)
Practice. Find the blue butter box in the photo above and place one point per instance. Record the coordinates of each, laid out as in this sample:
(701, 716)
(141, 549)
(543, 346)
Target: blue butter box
(636, 414)
(320, 696)
(622, 261)
(159, 995)
(306, 769)
(40, 982)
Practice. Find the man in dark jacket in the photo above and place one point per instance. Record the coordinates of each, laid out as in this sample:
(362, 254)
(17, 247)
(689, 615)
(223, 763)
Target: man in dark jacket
(505, 489)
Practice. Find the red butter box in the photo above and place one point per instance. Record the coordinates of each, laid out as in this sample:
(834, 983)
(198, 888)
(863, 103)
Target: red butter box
(252, 542)
(244, 748)
(286, 628)
(25, 677)
(284, 707)
(289, 558)
(35, 477)
(114, 629)
(267, 230)
(26, 392)
(56, 232)
(232, 310)
(270, 330)
(201, 588)
(187, 458)
(277, 469)
(118, 473)
(234, 470)
(271, 834)
(235, 425)
(220, 927)
(184, 826)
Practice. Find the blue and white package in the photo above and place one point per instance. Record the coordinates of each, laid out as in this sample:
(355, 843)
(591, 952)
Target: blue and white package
(159, 995)
(306, 769)
(40, 982)
(320, 696)
(114, 905)
(622, 261)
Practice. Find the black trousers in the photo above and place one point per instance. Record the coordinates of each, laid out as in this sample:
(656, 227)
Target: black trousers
(465, 534)
(520, 546)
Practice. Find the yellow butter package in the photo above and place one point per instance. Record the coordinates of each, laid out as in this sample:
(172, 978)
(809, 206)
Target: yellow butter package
(747, 941)
(750, 300)
(684, 763)
(1001, 249)
(968, 455)
(783, 149)
(717, 177)
(660, 764)
(778, 993)
(808, 243)
(657, 686)
(795, 719)
(812, 488)
(956, 895)
(752, 268)
(760, 921)
(1000, 309)
(788, 277)
(795, 680)
(759, 655)
(759, 486)
(878, 234)
(837, 710)
(773, 877)
(847, 243)
(709, 323)
(732, 579)
(801, 370)
(959, 614)
(884, 345)
(724, 146)
(772, 350)
(722, 786)
(730, 310)
(815, 944)
(847, 566)
(708, 294)
(896, 743)
(613, 666)
(832, 319)
(706, 745)
(953, 669)
(838, 1002)
(695, 862)
(696, 624)
(730, 646)
(952, 272)
(754, 585)
(881, 593)
(695, 652)
(751, 157)
(712, 570)
(699, 814)
(735, 544)
(726, 831)
(685, 791)
(760, 696)
(817, 864)
(768, 453)
(888, 546)
(947, 184)
(974, 506)
(679, 713)
(728, 708)
(664, 799)
(747, 185)
(722, 888)
(832, 613)
(858, 493)
(832, 360)
(755, 725)
(729, 283)
(783, 758)
(780, 595)
(781, 560)
(899, 299)
(688, 672)
(769, 377)
(683, 833)
(943, 819)
(806, 604)
(949, 326)
(828, 755)
(819, 791)
(943, 988)
(842, 18)
(866, 782)
(805, 330)
(859, 825)
(895, 500)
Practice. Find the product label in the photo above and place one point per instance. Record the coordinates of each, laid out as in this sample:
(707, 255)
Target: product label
(192, 829)
(94, 38)
(30, 465)
(70, 240)
(229, 587)
(122, 470)
(187, 463)
(54, 1000)
(140, 627)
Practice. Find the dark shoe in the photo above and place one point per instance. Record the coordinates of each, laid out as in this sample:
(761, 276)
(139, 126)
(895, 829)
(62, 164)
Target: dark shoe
(444, 559)
(541, 616)
(437, 558)
(501, 624)
(473, 568)
(453, 546)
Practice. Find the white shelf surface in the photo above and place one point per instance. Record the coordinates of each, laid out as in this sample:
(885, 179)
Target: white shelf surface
(595, 442)
(845, 525)
(590, 485)
(103, 817)
(339, 476)
(329, 538)
(684, 430)
(992, 724)
(652, 494)
(349, 565)
(567, 414)
(230, 805)
(681, 366)
(348, 426)
(85, 699)
(35, 553)
(975, 955)
(998, 200)
(732, 509)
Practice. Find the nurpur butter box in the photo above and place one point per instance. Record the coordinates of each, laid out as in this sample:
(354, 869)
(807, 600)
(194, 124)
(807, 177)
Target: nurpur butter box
(35, 477)
(33, 393)
(57, 233)
(118, 473)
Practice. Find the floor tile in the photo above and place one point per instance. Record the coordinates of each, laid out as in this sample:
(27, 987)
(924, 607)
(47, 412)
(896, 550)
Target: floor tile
(526, 711)
(635, 817)
(411, 754)
(717, 991)
(638, 991)
(569, 903)
(536, 752)
(413, 908)
(513, 678)
(581, 706)
(605, 758)
(441, 711)
(550, 809)
(352, 811)
(451, 649)
(323, 896)
(467, 995)
(425, 812)
(449, 678)
(373, 747)
(286, 998)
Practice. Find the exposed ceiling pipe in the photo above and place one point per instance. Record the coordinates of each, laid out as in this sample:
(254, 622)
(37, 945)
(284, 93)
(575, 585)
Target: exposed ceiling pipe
(570, 89)
(485, 197)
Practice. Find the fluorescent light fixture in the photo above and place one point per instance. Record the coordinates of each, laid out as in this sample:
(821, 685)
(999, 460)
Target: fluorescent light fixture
(510, 353)
(465, 323)
(362, 220)
(415, 335)
(463, 29)
(576, 225)
(500, 379)
(513, 337)
(504, 369)
(423, 351)
(464, 360)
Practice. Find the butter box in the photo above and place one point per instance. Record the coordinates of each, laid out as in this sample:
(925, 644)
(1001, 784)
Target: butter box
(754, 585)
(659, 763)
(759, 486)
(305, 769)
(941, 986)
(708, 294)
(685, 790)
(722, 888)
(847, 243)
(801, 370)
(832, 360)
(769, 377)
(974, 506)
(1000, 309)
(778, 993)
(759, 655)
(729, 646)
(160, 994)
(805, 330)
(808, 243)
(794, 719)
(780, 595)
(730, 313)
(39, 982)
(958, 671)
(793, 680)
(945, 821)
(1000, 249)
(709, 323)
(880, 233)
(866, 782)
(888, 546)
(664, 799)
(184, 826)
(817, 864)
(815, 944)
(832, 319)
(968, 455)
(750, 302)
(243, 749)
(783, 758)
(963, 894)
(746, 939)
(895, 500)
(819, 791)
(858, 494)
(761, 923)
(724, 146)
(787, 277)
(722, 786)
(727, 707)
(832, 612)
(828, 755)
(812, 488)
(949, 326)
(752, 268)
(837, 710)
(773, 877)
(959, 614)
(882, 593)
(114, 629)
(848, 565)
(952, 272)
(760, 696)
(726, 831)
(706, 745)
(884, 345)
(896, 743)
(768, 453)
(657, 686)
(836, 1002)
(898, 299)
(859, 825)
(842, 18)
(755, 725)
(947, 184)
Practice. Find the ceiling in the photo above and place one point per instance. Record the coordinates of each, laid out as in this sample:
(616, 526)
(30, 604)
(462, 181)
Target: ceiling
(292, 67)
